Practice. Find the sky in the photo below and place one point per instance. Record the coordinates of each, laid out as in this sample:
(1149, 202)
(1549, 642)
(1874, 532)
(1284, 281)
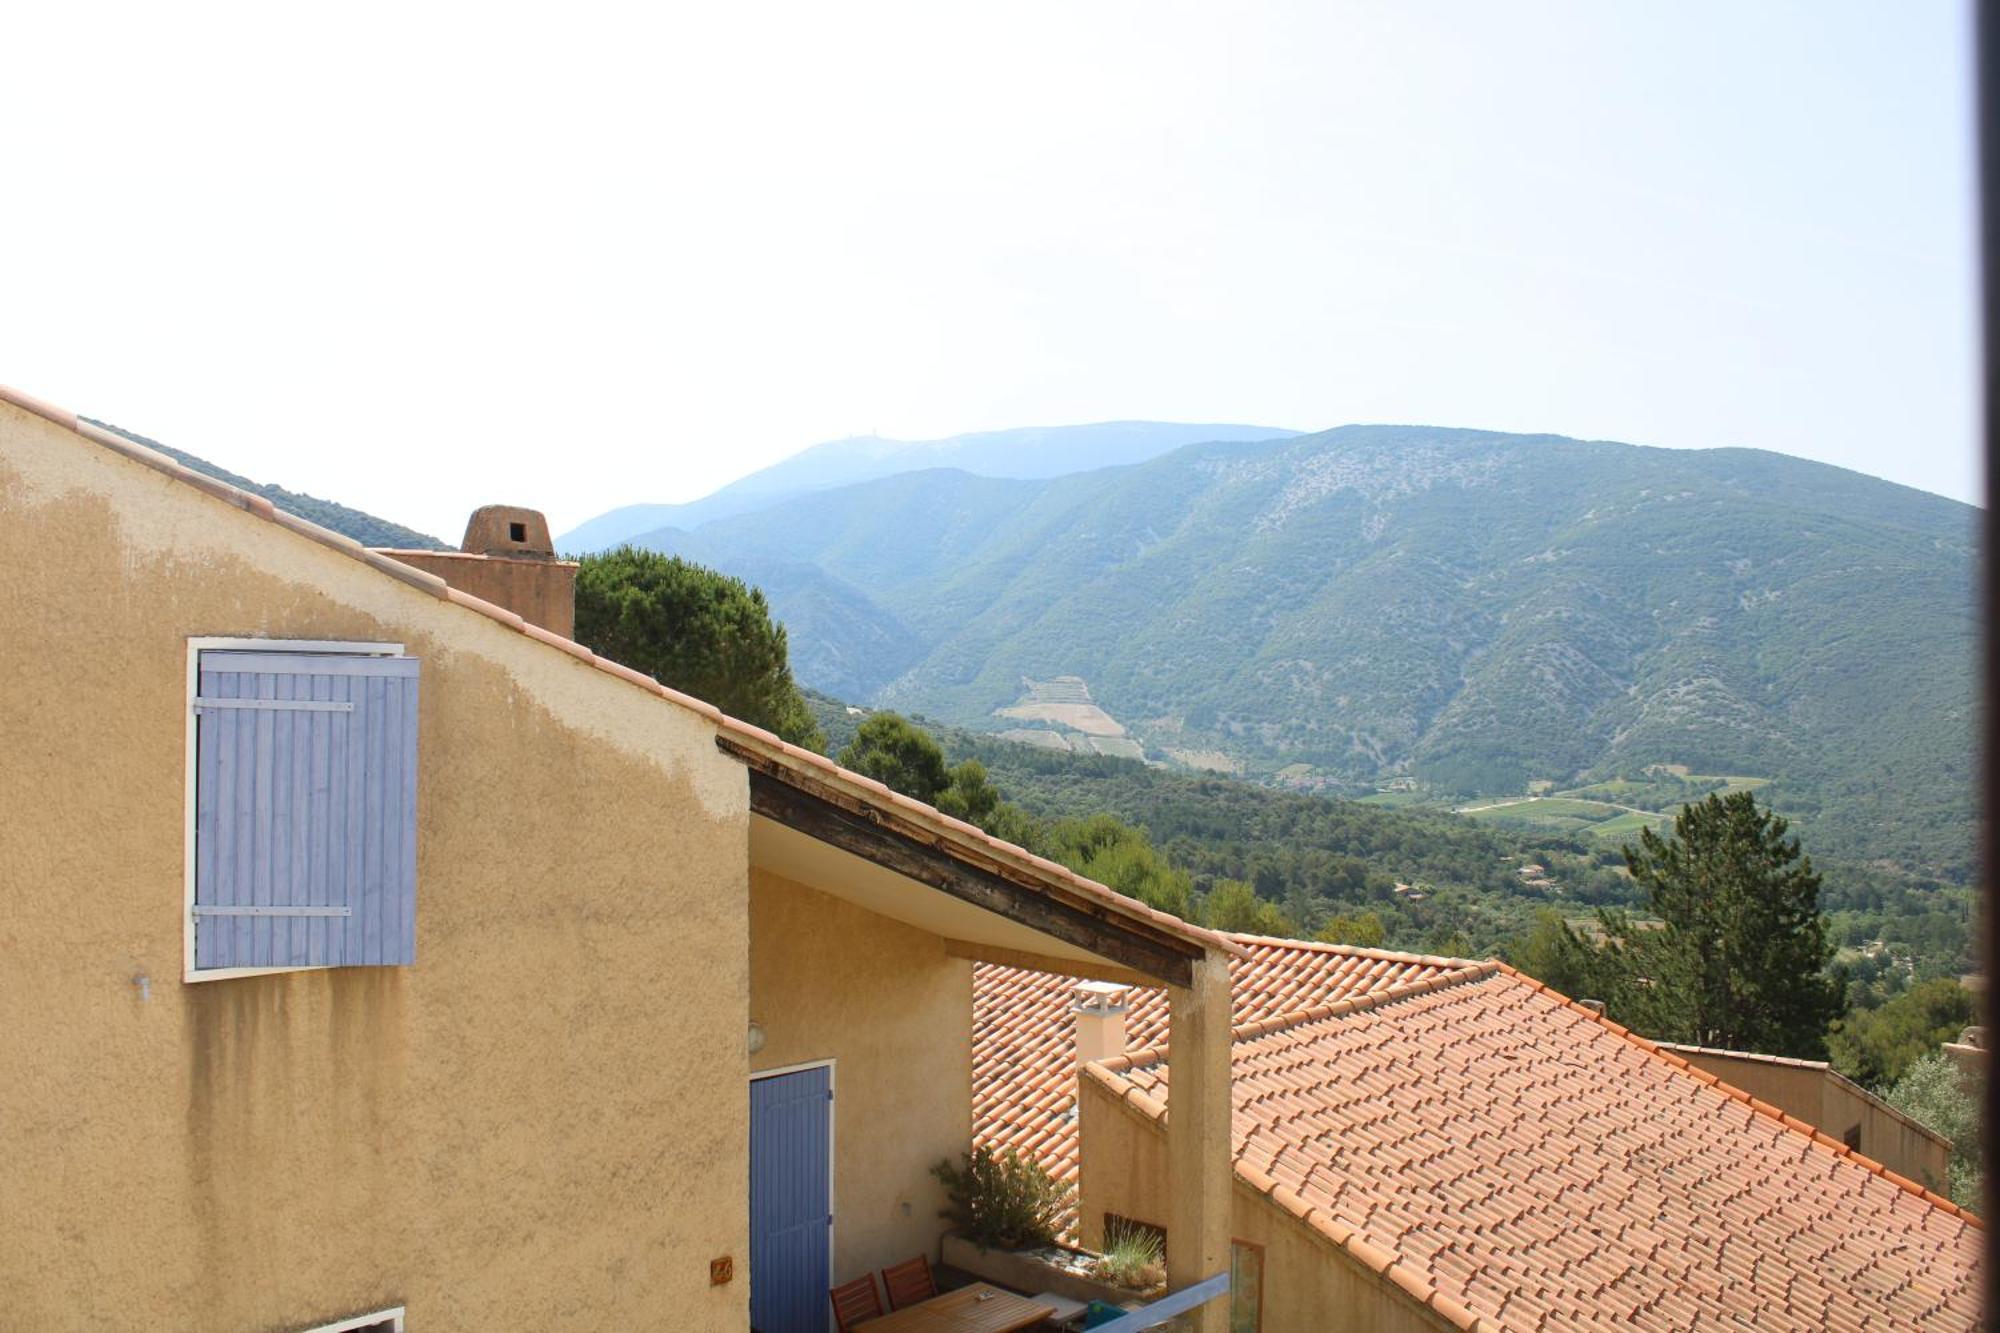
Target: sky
(418, 258)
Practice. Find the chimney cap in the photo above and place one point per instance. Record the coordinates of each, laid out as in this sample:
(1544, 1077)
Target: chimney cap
(1101, 996)
(508, 531)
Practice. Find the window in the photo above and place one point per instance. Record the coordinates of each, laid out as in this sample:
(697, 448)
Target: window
(1246, 1287)
(1246, 1272)
(1852, 1138)
(302, 839)
(382, 1321)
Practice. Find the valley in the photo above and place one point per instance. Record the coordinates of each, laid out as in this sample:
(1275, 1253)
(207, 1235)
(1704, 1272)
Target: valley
(1435, 879)
(1463, 615)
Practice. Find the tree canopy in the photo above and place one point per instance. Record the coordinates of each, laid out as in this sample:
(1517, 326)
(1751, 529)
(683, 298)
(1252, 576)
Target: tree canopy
(1121, 858)
(1234, 905)
(1875, 1047)
(902, 756)
(1360, 928)
(701, 632)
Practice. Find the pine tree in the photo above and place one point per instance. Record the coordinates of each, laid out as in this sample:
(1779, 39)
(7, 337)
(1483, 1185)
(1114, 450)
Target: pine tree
(903, 756)
(701, 632)
(1738, 957)
(899, 755)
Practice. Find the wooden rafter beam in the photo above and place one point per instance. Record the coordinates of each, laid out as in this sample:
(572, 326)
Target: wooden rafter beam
(1159, 957)
(1041, 962)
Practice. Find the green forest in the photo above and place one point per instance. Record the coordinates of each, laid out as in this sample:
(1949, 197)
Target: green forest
(1469, 611)
(1246, 856)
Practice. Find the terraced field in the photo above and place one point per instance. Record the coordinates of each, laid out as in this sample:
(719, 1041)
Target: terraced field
(1613, 811)
(1065, 701)
(1562, 814)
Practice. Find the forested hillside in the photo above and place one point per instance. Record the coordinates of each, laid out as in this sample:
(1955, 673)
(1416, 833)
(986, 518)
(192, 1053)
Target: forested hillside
(363, 527)
(1436, 881)
(1465, 611)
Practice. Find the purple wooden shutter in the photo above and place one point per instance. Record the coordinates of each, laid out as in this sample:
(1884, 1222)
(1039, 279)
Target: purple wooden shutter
(305, 810)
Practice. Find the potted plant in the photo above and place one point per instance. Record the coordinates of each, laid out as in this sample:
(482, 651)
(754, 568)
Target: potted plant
(1002, 1200)
(1008, 1213)
(1134, 1257)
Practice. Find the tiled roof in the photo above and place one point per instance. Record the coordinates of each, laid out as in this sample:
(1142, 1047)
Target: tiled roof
(954, 835)
(1821, 1067)
(1516, 1161)
(1024, 1038)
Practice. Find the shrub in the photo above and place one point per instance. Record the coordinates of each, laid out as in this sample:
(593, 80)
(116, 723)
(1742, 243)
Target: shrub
(1934, 1094)
(1002, 1200)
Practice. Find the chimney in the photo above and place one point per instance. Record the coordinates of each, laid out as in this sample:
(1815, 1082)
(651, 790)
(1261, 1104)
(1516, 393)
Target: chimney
(1100, 1020)
(507, 558)
(1969, 1053)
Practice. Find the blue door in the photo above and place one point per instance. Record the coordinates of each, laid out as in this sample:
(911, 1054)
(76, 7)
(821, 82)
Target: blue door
(791, 1203)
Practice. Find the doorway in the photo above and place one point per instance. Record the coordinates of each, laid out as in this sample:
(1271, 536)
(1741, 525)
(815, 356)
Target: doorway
(791, 1198)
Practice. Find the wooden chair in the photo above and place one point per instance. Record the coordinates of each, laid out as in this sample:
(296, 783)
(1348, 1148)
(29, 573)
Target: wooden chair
(855, 1301)
(909, 1282)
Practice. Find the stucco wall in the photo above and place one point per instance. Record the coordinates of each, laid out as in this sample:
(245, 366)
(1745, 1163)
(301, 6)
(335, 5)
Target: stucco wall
(541, 1124)
(1835, 1105)
(1310, 1284)
(830, 980)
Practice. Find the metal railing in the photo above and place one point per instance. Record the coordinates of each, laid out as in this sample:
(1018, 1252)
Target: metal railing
(1160, 1311)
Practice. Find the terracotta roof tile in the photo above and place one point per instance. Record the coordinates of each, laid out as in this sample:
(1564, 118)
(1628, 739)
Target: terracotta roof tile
(1024, 1035)
(1541, 1173)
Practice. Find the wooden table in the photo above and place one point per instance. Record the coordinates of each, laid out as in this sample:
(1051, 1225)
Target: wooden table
(978, 1308)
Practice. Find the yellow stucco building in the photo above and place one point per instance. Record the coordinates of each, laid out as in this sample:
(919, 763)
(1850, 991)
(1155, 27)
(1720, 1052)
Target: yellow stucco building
(375, 955)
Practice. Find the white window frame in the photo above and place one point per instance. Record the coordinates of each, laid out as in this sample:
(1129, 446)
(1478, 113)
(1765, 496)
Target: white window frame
(394, 1315)
(189, 972)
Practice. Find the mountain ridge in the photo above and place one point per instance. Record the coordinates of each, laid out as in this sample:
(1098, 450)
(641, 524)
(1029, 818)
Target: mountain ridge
(1471, 609)
(1020, 452)
(366, 528)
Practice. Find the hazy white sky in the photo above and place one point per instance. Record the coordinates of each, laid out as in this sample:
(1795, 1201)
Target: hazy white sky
(418, 258)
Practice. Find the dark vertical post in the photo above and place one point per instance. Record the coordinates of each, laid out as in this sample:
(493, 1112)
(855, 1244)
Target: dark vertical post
(1986, 39)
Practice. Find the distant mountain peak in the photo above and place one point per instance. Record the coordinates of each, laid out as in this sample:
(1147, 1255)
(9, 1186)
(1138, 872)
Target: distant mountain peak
(1028, 452)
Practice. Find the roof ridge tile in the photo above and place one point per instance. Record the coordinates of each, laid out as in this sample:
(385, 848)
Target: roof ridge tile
(1349, 950)
(46, 410)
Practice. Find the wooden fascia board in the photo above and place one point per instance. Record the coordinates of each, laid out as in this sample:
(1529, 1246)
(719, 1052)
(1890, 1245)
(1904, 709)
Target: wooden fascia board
(868, 834)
